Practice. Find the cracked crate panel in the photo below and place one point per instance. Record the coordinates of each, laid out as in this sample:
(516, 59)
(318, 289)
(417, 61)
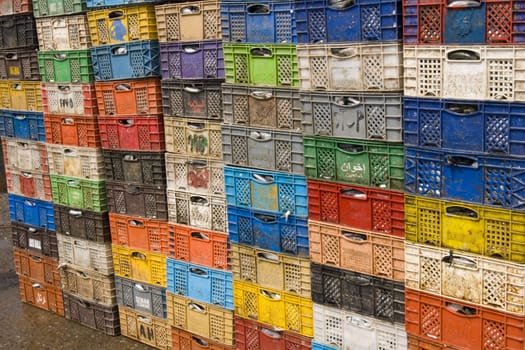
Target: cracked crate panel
(90, 286)
(69, 99)
(34, 239)
(85, 224)
(147, 201)
(93, 315)
(140, 265)
(132, 133)
(140, 233)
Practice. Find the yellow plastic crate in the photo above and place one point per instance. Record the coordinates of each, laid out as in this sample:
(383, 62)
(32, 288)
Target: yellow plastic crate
(274, 308)
(21, 95)
(472, 228)
(145, 328)
(139, 265)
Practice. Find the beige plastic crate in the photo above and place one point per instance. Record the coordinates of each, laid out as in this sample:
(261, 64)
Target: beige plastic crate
(199, 176)
(93, 286)
(63, 33)
(85, 255)
(73, 161)
(145, 328)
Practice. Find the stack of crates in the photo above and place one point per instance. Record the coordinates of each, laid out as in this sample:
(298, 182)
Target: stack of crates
(464, 131)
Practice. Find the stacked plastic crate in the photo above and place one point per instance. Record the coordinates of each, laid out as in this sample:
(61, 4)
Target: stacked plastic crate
(464, 179)
(351, 83)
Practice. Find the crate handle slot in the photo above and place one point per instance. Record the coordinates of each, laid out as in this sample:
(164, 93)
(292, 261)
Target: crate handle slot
(119, 50)
(200, 342)
(358, 321)
(459, 260)
(270, 295)
(463, 55)
(462, 108)
(37, 285)
(260, 136)
(197, 271)
(73, 183)
(359, 237)
(268, 256)
(130, 158)
(29, 203)
(266, 179)
(463, 3)
(138, 255)
(362, 281)
(122, 87)
(346, 101)
(68, 121)
(261, 95)
(355, 193)
(139, 287)
(270, 333)
(75, 213)
(460, 309)
(136, 223)
(351, 148)
(196, 126)
(192, 90)
(144, 319)
(197, 163)
(343, 52)
(200, 235)
(32, 230)
(115, 14)
(265, 218)
(20, 117)
(461, 211)
(191, 48)
(462, 161)
(132, 189)
(64, 88)
(60, 56)
(340, 4)
(36, 259)
(26, 174)
(23, 144)
(59, 23)
(258, 9)
(16, 86)
(190, 10)
(198, 200)
(126, 122)
(197, 307)
(82, 274)
(11, 56)
(261, 52)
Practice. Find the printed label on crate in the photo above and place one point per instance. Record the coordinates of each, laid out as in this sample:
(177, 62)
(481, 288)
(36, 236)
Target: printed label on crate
(35, 243)
(141, 302)
(198, 176)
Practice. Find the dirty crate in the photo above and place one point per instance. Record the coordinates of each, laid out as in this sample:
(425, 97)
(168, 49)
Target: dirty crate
(90, 286)
(79, 193)
(417, 343)
(193, 175)
(486, 282)
(72, 130)
(34, 239)
(63, 33)
(43, 296)
(147, 201)
(22, 125)
(84, 224)
(146, 329)
(139, 233)
(47, 8)
(261, 22)
(189, 341)
(25, 155)
(39, 268)
(141, 297)
(267, 230)
(317, 345)
(274, 108)
(21, 95)
(29, 184)
(95, 4)
(140, 265)
(135, 167)
(352, 291)
(468, 72)
(69, 99)
(193, 137)
(133, 133)
(254, 335)
(133, 60)
(194, 98)
(472, 228)
(17, 31)
(14, 7)
(87, 163)
(66, 66)
(19, 64)
(85, 255)
(97, 316)
(263, 148)
(30, 211)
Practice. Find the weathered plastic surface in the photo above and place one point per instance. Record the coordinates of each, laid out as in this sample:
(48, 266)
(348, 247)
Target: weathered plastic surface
(141, 297)
(63, 33)
(93, 315)
(85, 255)
(22, 125)
(146, 329)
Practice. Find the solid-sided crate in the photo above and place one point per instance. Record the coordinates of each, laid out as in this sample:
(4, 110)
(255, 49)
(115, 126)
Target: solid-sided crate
(209, 321)
(139, 233)
(25, 155)
(202, 211)
(254, 335)
(262, 22)
(69, 99)
(134, 133)
(18, 31)
(66, 66)
(465, 125)
(365, 67)
(39, 268)
(20, 64)
(63, 33)
(82, 162)
(362, 208)
(193, 137)
(79, 193)
(47, 8)
(189, 341)
(88, 256)
(352, 291)
(486, 282)
(200, 283)
(348, 330)
(133, 60)
(482, 22)
(129, 97)
(192, 98)
(266, 190)
(72, 130)
(267, 230)
(148, 201)
(90, 286)
(30, 211)
(122, 24)
(193, 175)
(22, 125)
(135, 167)
(366, 163)
(44, 296)
(93, 315)
(146, 329)
(141, 297)
(84, 224)
(140, 265)
(35, 239)
(261, 64)
(461, 325)
(268, 107)
(14, 7)
(472, 228)
(29, 184)
(262, 148)
(355, 250)
(467, 72)
(189, 21)
(21, 95)
(365, 116)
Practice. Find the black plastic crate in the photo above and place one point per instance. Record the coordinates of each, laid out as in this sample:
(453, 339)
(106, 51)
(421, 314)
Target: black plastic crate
(18, 31)
(19, 64)
(147, 201)
(92, 315)
(36, 239)
(135, 167)
(81, 223)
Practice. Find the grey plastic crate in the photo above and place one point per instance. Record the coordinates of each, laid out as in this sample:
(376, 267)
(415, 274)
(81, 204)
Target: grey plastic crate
(141, 297)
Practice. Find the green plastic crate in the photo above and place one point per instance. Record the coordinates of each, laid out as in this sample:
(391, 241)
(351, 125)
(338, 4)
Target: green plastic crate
(66, 66)
(79, 193)
(374, 164)
(45, 8)
(264, 64)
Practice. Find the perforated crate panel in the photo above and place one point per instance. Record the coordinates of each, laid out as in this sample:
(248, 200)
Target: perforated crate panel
(140, 265)
(34, 239)
(19, 64)
(90, 286)
(63, 33)
(135, 167)
(193, 138)
(79, 193)
(25, 155)
(141, 297)
(45, 8)
(69, 99)
(66, 66)
(22, 125)
(182, 338)
(82, 162)
(143, 328)
(29, 184)
(93, 315)
(21, 95)
(85, 255)
(13, 7)
(84, 224)
(70, 130)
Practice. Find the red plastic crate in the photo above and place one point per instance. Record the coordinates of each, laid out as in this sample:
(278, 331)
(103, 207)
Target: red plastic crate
(25, 155)
(70, 99)
(132, 133)
(188, 341)
(29, 184)
(38, 267)
(41, 295)
(12, 7)
(139, 233)
(72, 130)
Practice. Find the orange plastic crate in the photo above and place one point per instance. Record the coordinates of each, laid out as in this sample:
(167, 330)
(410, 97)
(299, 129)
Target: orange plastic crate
(140, 233)
(41, 295)
(37, 267)
(188, 341)
(137, 133)
(72, 130)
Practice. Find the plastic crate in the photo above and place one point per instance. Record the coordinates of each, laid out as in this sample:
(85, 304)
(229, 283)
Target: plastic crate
(254, 335)
(41, 295)
(46, 8)
(102, 318)
(84, 224)
(66, 66)
(72, 131)
(69, 99)
(140, 265)
(14, 7)
(209, 321)
(94, 4)
(22, 125)
(39, 268)
(193, 137)
(352, 291)
(201, 211)
(122, 24)
(129, 97)
(85, 255)
(262, 148)
(24, 155)
(192, 98)
(90, 286)
(79, 193)
(265, 190)
(416, 343)
(135, 167)
(19, 64)
(21, 95)
(467, 72)
(146, 201)
(30, 211)
(133, 60)
(34, 239)
(63, 33)
(87, 163)
(139, 233)
(189, 21)
(355, 250)
(185, 340)
(143, 328)
(261, 64)
(133, 133)
(141, 297)
(29, 184)
(18, 31)
(348, 330)
(200, 283)
(461, 325)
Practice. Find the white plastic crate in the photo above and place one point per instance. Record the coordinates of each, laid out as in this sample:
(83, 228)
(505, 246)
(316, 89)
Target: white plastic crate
(25, 155)
(193, 137)
(194, 175)
(85, 255)
(63, 33)
(82, 162)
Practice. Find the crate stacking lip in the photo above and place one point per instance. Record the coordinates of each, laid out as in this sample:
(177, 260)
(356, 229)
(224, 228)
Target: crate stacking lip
(84, 224)
(181, 338)
(20, 64)
(23, 125)
(93, 315)
(95, 4)
(147, 201)
(39, 268)
(82, 162)
(139, 59)
(144, 328)
(79, 193)
(18, 31)
(46, 8)
(21, 95)
(63, 33)
(262, 22)
(34, 239)
(249, 333)
(30, 211)
(84, 255)
(66, 66)
(135, 167)
(132, 133)
(90, 286)
(133, 232)
(193, 137)
(141, 297)
(420, 343)
(32, 184)
(41, 295)
(72, 130)
(479, 22)
(69, 99)
(25, 155)
(140, 265)
(14, 7)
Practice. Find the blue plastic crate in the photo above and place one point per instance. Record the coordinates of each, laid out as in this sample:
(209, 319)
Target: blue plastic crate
(260, 22)
(333, 21)
(470, 177)
(496, 128)
(200, 283)
(267, 230)
(266, 190)
(22, 125)
(31, 211)
(319, 346)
